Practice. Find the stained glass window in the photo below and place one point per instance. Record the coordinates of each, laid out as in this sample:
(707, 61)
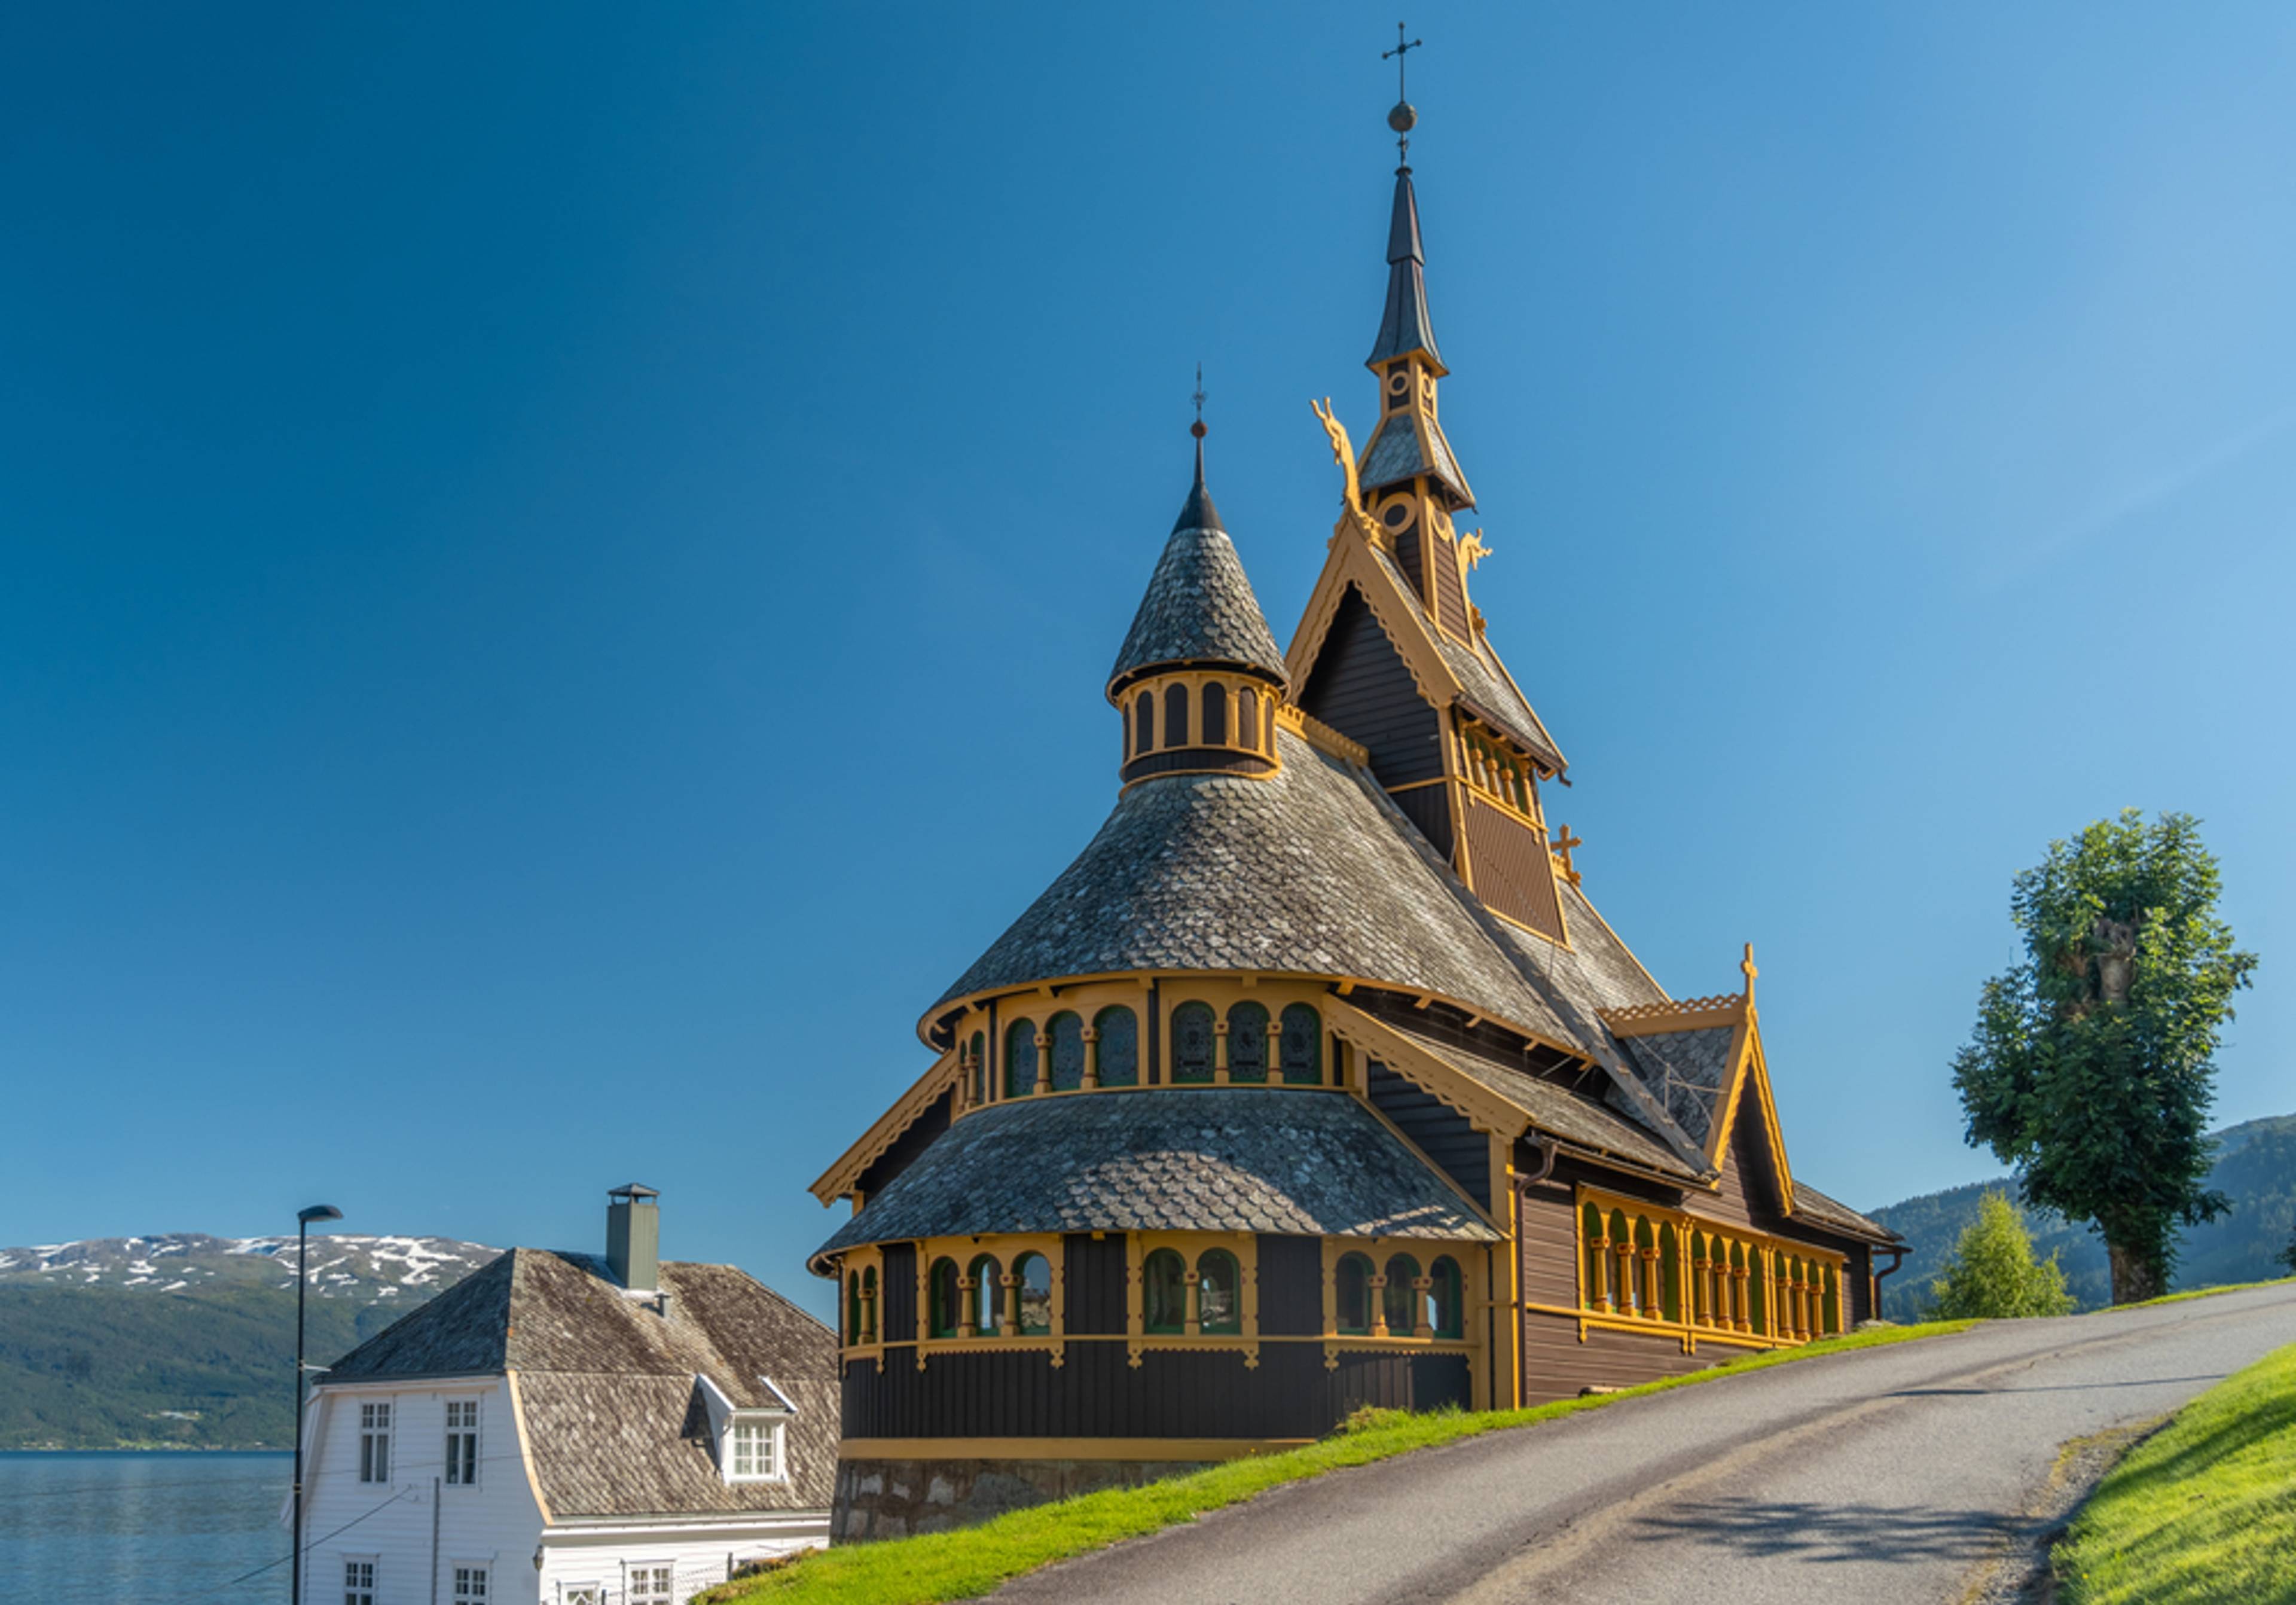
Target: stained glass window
(1303, 1045)
(1191, 1042)
(1021, 1059)
(1247, 1042)
(1067, 1032)
(1118, 1031)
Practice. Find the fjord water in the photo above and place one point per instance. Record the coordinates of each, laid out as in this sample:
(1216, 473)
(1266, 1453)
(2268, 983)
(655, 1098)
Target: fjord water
(104, 1528)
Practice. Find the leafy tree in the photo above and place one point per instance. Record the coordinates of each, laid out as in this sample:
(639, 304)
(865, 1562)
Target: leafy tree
(1993, 1275)
(2288, 1256)
(2091, 1068)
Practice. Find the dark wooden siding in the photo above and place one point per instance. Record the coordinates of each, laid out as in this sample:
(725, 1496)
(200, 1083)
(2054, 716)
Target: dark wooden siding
(1442, 1134)
(1095, 1393)
(1360, 688)
(897, 1293)
(1512, 868)
(1750, 1187)
(905, 1148)
(1290, 1286)
(1095, 1276)
(1430, 808)
(1557, 1366)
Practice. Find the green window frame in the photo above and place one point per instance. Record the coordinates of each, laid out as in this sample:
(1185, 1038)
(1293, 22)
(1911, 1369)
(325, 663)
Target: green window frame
(1164, 1291)
(1116, 1030)
(1032, 1294)
(1302, 1045)
(943, 1297)
(1191, 1044)
(1351, 1295)
(1399, 1300)
(1247, 1042)
(1219, 1292)
(1021, 1059)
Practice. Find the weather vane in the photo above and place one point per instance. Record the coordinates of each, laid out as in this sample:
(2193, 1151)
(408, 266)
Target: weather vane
(1403, 118)
(1197, 428)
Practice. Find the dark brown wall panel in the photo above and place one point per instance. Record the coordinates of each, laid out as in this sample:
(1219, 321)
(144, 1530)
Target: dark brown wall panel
(1291, 1285)
(1430, 808)
(905, 1147)
(897, 1292)
(1095, 1276)
(1360, 688)
(1441, 1133)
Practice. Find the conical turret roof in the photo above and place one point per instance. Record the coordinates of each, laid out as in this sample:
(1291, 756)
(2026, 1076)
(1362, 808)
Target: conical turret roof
(1199, 608)
(1405, 327)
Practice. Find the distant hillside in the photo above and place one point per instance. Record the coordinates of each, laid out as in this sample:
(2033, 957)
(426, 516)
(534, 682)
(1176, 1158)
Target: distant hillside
(188, 1340)
(2255, 1168)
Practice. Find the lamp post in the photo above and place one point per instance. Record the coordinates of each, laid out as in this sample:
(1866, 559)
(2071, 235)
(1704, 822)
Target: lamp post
(303, 1219)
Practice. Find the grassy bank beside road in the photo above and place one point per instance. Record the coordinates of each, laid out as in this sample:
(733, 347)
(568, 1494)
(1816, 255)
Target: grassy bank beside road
(962, 1565)
(2204, 1509)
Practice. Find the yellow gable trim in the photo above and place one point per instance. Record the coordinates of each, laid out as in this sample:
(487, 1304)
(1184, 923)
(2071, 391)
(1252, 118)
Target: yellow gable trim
(1749, 1067)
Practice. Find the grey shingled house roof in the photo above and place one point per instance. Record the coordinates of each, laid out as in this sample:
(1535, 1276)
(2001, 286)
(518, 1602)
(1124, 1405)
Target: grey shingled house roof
(1199, 607)
(1177, 1159)
(606, 1381)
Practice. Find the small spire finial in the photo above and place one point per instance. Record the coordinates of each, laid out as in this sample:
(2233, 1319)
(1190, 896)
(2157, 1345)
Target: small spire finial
(1747, 965)
(1197, 428)
(1403, 118)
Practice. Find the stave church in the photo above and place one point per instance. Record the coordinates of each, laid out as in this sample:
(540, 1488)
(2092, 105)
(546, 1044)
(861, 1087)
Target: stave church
(1316, 1081)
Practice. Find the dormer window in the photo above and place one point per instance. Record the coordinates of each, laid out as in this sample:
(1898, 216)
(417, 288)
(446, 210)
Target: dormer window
(754, 1448)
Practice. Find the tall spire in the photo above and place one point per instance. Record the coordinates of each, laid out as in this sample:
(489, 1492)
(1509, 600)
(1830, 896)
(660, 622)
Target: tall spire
(1403, 328)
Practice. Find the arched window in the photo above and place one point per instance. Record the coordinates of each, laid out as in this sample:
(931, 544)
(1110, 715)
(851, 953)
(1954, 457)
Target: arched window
(1176, 716)
(1399, 1300)
(1118, 1031)
(1669, 1273)
(1268, 728)
(1647, 1294)
(1144, 723)
(1247, 1042)
(1832, 1299)
(853, 1307)
(1758, 1294)
(1021, 1059)
(1351, 1294)
(1191, 1042)
(1302, 1045)
(1164, 1292)
(1247, 717)
(869, 1305)
(1032, 1275)
(1219, 1287)
(980, 1052)
(987, 1303)
(1701, 1308)
(1067, 1032)
(947, 1307)
(1446, 1300)
(1597, 1243)
(1215, 725)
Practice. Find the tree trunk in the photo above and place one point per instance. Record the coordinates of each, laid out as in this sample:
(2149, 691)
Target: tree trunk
(2134, 1276)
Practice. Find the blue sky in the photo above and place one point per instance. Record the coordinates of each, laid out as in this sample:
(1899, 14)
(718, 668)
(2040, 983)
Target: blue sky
(557, 563)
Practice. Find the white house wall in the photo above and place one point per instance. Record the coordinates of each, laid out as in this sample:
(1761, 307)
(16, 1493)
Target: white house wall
(572, 1556)
(495, 1523)
(498, 1523)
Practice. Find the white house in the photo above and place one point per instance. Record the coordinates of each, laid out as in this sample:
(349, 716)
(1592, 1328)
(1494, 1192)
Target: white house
(569, 1431)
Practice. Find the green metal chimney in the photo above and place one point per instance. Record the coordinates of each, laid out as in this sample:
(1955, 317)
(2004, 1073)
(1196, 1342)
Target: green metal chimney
(633, 1237)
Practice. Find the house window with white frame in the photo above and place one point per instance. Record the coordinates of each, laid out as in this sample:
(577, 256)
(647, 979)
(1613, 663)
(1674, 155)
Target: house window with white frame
(581, 1593)
(374, 1442)
(471, 1586)
(461, 1443)
(358, 1582)
(652, 1584)
(754, 1451)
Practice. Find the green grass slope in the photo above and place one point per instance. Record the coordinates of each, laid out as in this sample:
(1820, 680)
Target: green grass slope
(2255, 1168)
(2203, 1511)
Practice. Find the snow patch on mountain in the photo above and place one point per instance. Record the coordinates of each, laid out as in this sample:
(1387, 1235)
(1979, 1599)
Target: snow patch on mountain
(342, 1265)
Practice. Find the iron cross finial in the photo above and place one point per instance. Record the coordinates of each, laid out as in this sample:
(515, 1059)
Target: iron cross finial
(1403, 47)
(1403, 117)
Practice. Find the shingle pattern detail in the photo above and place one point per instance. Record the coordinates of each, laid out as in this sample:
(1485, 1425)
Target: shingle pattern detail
(1179, 1158)
(608, 1381)
(1832, 1212)
(1199, 608)
(1313, 870)
(1554, 1111)
(1395, 455)
(1689, 1071)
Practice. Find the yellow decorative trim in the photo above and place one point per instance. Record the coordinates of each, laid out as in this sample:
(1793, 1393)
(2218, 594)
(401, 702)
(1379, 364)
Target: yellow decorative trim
(1762, 1253)
(1486, 1110)
(1688, 1014)
(1242, 1247)
(1322, 736)
(1063, 1448)
(907, 1109)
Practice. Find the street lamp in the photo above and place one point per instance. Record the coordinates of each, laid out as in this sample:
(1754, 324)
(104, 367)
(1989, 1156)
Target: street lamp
(303, 1219)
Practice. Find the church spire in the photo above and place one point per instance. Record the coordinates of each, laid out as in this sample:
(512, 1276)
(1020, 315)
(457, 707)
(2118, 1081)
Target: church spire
(1199, 678)
(1404, 329)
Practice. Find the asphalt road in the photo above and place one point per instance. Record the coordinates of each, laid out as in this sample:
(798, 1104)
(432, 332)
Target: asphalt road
(1887, 1475)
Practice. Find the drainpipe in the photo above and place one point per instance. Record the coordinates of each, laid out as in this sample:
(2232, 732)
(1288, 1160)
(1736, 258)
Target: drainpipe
(1897, 1257)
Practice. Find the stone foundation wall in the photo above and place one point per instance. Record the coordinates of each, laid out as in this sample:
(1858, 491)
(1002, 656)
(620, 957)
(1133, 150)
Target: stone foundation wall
(894, 1498)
